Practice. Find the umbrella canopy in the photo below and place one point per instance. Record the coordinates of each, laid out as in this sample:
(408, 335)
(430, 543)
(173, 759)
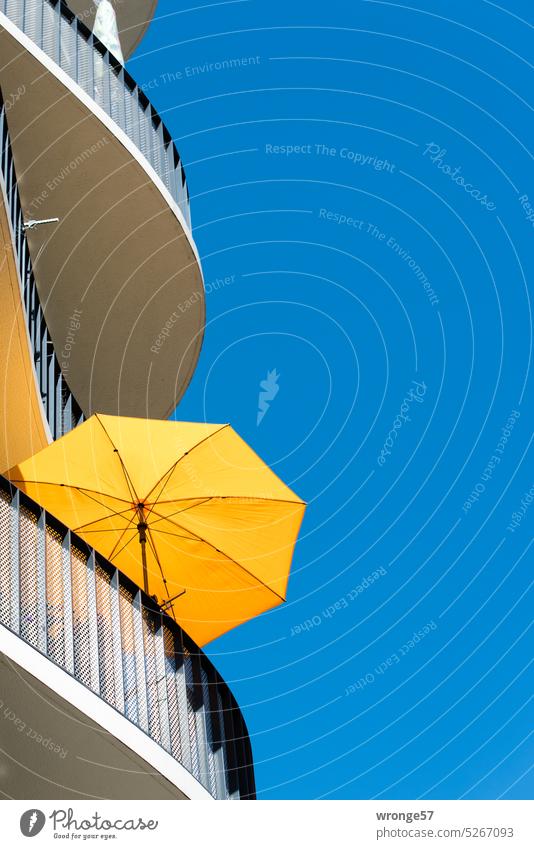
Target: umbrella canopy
(186, 510)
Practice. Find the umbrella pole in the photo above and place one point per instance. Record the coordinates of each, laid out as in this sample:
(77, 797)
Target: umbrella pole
(145, 570)
(142, 528)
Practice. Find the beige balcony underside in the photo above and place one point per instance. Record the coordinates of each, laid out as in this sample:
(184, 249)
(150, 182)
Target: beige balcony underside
(51, 750)
(133, 17)
(121, 255)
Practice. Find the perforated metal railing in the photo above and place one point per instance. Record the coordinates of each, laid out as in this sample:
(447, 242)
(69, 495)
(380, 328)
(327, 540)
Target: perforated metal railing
(70, 44)
(62, 410)
(70, 604)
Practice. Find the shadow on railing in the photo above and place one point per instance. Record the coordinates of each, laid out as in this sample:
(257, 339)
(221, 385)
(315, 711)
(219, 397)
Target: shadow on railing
(60, 596)
(70, 44)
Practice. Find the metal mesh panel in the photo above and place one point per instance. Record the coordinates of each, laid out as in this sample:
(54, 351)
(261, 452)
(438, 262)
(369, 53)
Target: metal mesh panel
(85, 66)
(128, 653)
(68, 47)
(101, 81)
(145, 133)
(55, 615)
(80, 616)
(229, 746)
(158, 151)
(15, 11)
(67, 419)
(222, 751)
(149, 630)
(131, 115)
(199, 718)
(172, 694)
(202, 744)
(33, 19)
(191, 720)
(29, 593)
(50, 43)
(5, 558)
(209, 734)
(116, 98)
(106, 667)
(217, 735)
(183, 709)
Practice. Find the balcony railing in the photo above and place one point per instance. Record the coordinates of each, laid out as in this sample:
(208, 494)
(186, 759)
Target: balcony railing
(74, 607)
(61, 408)
(70, 44)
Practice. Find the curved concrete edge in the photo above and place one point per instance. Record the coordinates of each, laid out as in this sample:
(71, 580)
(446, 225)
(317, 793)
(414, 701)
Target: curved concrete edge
(133, 19)
(104, 118)
(140, 31)
(100, 712)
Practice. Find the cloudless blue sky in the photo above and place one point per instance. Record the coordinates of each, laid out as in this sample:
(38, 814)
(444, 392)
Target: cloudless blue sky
(355, 328)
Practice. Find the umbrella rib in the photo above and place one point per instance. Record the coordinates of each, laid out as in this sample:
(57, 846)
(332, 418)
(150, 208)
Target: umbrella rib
(86, 492)
(236, 497)
(219, 551)
(179, 536)
(113, 550)
(111, 512)
(179, 460)
(166, 477)
(96, 521)
(94, 492)
(183, 510)
(83, 489)
(156, 556)
(115, 553)
(129, 482)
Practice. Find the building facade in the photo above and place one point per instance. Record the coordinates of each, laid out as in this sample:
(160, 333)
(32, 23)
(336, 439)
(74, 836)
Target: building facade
(101, 694)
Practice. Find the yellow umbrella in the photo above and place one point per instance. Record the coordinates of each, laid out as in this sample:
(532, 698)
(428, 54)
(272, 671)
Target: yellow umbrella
(186, 510)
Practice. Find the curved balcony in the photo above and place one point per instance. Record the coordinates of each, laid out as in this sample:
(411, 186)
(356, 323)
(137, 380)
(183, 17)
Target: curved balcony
(64, 600)
(91, 151)
(56, 30)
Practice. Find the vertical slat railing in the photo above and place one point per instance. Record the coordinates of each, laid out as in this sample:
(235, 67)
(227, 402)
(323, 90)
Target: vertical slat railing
(117, 642)
(91, 621)
(93, 625)
(69, 43)
(15, 564)
(42, 642)
(161, 683)
(67, 604)
(140, 669)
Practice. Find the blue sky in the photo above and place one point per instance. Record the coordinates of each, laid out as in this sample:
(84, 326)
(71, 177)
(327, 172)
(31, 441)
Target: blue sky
(360, 184)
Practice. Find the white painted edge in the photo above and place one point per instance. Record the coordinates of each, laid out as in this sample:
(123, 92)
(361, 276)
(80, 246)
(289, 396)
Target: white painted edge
(95, 708)
(104, 119)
